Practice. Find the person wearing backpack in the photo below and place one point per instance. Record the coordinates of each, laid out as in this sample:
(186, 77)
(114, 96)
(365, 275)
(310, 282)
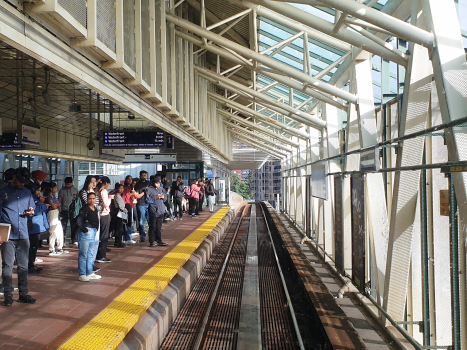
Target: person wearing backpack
(65, 196)
(178, 188)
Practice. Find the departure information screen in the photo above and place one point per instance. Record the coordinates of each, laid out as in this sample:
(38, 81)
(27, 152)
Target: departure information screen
(134, 139)
(9, 140)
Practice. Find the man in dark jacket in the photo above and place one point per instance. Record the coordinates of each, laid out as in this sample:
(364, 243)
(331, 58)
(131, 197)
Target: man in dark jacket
(65, 196)
(155, 197)
(210, 192)
(16, 205)
(177, 196)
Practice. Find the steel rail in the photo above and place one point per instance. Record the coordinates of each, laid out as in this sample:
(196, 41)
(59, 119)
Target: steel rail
(219, 280)
(289, 302)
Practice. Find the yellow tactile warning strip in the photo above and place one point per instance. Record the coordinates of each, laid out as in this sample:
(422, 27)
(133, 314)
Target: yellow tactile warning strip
(111, 325)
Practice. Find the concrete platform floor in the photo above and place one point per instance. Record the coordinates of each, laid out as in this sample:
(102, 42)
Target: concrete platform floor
(65, 304)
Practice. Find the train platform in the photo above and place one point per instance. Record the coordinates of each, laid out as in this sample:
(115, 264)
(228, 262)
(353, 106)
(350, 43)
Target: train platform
(66, 306)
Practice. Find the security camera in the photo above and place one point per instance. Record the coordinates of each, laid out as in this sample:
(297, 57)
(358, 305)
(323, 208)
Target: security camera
(90, 145)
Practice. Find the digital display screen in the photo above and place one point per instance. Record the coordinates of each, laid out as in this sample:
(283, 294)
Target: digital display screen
(134, 139)
(9, 140)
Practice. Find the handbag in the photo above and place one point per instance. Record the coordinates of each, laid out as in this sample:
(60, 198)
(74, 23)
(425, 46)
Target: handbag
(122, 215)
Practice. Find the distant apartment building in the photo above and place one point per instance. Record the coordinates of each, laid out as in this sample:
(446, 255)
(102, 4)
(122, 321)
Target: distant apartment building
(242, 174)
(266, 182)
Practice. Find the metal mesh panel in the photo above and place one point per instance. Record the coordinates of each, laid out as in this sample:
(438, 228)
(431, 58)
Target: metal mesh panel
(178, 72)
(146, 41)
(169, 67)
(158, 48)
(107, 23)
(76, 8)
(129, 32)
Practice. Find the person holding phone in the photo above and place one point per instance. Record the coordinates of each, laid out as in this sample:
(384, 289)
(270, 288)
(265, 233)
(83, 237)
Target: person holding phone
(88, 223)
(16, 206)
(155, 197)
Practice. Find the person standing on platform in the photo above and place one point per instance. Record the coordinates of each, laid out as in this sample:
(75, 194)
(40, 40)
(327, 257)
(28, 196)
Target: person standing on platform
(128, 196)
(177, 197)
(88, 223)
(38, 225)
(210, 191)
(141, 205)
(201, 186)
(155, 197)
(56, 231)
(105, 200)
(169, 211)
(194, 199)
(16, 206)
(65, 196)
(118, 223)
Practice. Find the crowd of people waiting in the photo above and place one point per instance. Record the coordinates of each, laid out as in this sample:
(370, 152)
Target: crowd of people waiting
(35, 210)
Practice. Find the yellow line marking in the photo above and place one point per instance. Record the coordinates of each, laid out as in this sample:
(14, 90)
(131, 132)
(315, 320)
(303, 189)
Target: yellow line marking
(111, 325)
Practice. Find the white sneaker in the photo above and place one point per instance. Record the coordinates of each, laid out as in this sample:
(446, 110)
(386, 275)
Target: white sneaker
(76, 243)
(63, 252)
(130, 242)
(53, 253)
(83, 278)
(39, 260)
(93, 276)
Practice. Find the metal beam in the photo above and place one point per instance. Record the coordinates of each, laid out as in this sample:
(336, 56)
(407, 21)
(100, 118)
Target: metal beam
(303, 117)
(323, 26)
(268, 73)
(258, 127)
(257, 145)
(265, 119)
(269, 62)
(256, 137)
(400, 28)
(213, 18)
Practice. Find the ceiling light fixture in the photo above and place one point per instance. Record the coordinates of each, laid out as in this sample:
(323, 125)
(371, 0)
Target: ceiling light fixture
(131, 116)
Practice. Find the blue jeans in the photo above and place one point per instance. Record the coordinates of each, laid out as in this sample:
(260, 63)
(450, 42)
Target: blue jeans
(129, 231)
(86, 251)
(142, 214)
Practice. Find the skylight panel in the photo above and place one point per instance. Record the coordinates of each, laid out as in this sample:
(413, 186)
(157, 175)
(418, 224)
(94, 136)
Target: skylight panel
(314, 11)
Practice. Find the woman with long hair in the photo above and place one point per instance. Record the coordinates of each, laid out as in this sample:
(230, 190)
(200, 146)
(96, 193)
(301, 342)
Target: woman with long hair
(105, 199)
(128, 196)
(118, 221)
(89, 187)
(56, 230)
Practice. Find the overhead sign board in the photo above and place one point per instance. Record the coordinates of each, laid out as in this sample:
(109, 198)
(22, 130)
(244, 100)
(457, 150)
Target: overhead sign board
(30, 135)
(134, 139)
(9, 140)
(150, 158)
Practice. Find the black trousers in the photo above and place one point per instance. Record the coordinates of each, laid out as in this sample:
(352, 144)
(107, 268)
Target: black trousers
(201, 200)
(73, 225)
(194, 206)
(155, 227)
(178, 207)
(119, 229)
(34, 240)
(103, 237)
(11, 249)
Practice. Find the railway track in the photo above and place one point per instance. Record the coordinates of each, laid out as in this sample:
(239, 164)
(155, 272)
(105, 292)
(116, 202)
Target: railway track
(214, 316)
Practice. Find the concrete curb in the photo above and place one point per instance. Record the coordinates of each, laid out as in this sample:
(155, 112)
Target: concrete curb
(151, 329)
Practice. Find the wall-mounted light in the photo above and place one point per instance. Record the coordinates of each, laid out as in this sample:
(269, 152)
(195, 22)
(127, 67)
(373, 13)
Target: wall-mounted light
(131, 116)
